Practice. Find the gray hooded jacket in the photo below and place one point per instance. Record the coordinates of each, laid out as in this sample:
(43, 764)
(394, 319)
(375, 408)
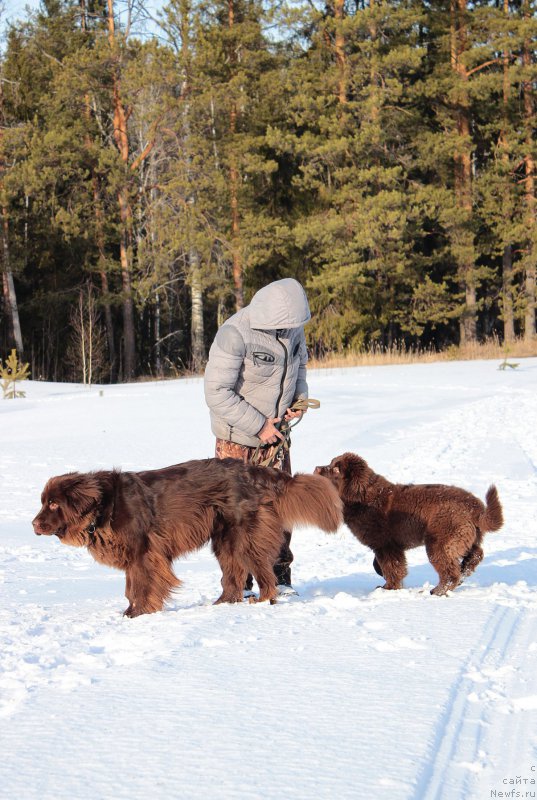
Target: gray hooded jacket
(257, 363)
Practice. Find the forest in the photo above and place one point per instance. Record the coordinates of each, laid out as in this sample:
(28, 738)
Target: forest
(155, 173)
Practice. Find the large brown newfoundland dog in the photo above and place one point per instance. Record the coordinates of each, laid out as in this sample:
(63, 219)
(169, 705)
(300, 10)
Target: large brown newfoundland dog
(392, 517)
(140, 521)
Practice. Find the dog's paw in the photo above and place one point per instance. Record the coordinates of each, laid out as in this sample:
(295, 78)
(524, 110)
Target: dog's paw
(440, 591)
(228, 599)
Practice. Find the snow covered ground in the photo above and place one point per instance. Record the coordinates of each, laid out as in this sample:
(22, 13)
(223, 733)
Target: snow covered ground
(344, 692)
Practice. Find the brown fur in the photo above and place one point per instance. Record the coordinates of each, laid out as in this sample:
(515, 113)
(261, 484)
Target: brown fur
(391, 518)
(140, 521)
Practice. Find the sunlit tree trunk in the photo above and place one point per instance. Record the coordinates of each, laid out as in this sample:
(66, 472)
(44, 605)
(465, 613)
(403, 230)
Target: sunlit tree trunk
(120, 119)
(8, 284)
(341, 58)
(222, 265)
(529, 187)
(462, 235)
(99, 228)
(196, 329)
(237, 270)
(8, 287)
(197, 333)
(507, 258)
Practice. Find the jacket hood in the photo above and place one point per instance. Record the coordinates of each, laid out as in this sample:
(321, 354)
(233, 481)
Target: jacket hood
(281, 304)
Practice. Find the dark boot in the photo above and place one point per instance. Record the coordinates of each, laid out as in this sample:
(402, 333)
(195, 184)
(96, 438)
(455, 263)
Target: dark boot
(282, 567)
(376, 567)
(248, 587)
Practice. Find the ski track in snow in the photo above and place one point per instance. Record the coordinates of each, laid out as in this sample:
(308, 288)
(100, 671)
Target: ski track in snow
(346, 691)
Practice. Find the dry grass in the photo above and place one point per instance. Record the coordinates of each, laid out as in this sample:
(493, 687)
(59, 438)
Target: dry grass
(399, 354)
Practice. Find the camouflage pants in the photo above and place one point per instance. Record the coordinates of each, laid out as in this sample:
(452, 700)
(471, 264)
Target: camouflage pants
(226, 449)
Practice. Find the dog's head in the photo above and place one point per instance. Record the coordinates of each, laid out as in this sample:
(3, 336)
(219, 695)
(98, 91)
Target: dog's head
(68, 506)
(350, 475)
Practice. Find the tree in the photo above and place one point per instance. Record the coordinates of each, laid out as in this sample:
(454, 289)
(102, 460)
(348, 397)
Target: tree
(87, 346)
(12, 373)
(529, 74)
(8, 284)
(351, 130)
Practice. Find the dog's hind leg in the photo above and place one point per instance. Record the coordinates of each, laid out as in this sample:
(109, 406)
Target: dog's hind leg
(233, 573)
(264, 575)
(473, 557)
(446, 564)
(392, 564)
(264, 545)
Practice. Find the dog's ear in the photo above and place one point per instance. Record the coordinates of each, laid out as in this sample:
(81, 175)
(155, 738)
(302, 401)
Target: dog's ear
(82, 492)
(354, 471)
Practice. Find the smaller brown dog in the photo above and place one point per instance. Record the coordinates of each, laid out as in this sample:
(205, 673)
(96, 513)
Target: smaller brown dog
(392, 517)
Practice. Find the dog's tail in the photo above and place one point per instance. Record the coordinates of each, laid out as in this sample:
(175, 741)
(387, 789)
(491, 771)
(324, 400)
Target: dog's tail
(492, 519)
(310, 500)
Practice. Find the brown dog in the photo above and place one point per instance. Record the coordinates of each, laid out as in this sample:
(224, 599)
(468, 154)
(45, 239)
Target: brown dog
(391, 518)
(140, 521)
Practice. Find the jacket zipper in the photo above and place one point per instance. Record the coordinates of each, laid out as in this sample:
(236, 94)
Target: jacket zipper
(286, 355)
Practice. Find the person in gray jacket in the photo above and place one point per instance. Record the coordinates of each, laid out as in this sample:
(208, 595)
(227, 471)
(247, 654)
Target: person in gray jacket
(255, 372)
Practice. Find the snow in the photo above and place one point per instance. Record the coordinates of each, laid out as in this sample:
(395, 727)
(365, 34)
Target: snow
(346, 691)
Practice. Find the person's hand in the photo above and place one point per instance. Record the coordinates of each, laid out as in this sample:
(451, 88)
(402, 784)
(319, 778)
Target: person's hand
(290, 414)
(269, 434)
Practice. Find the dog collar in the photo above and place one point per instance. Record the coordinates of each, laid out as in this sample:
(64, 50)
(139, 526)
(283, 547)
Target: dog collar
(90, 530)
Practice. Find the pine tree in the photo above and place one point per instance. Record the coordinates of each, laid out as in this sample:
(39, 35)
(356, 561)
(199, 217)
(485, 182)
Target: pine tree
(528, 77)
(352, 138)
(11, 373)
(464, 69)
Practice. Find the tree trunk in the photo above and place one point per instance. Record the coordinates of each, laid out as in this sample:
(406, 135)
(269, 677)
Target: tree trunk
(341, 58)
(125, 251)
(156, 336)
(529, 189)
(197, 334)
(120, 118)
(462, 234)
(374, 78)
(8, 285)
(234, 185)
(222, 265)
(507, 260)
(10, 296)
(84, 338)
(99, 228)
(196, 328)
(99, 237)
(507, 295)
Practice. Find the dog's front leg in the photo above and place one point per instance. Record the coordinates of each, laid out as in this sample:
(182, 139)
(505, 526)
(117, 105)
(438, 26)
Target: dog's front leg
(128, 594)
(149, 582)
(392, 563)
(137, 590)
